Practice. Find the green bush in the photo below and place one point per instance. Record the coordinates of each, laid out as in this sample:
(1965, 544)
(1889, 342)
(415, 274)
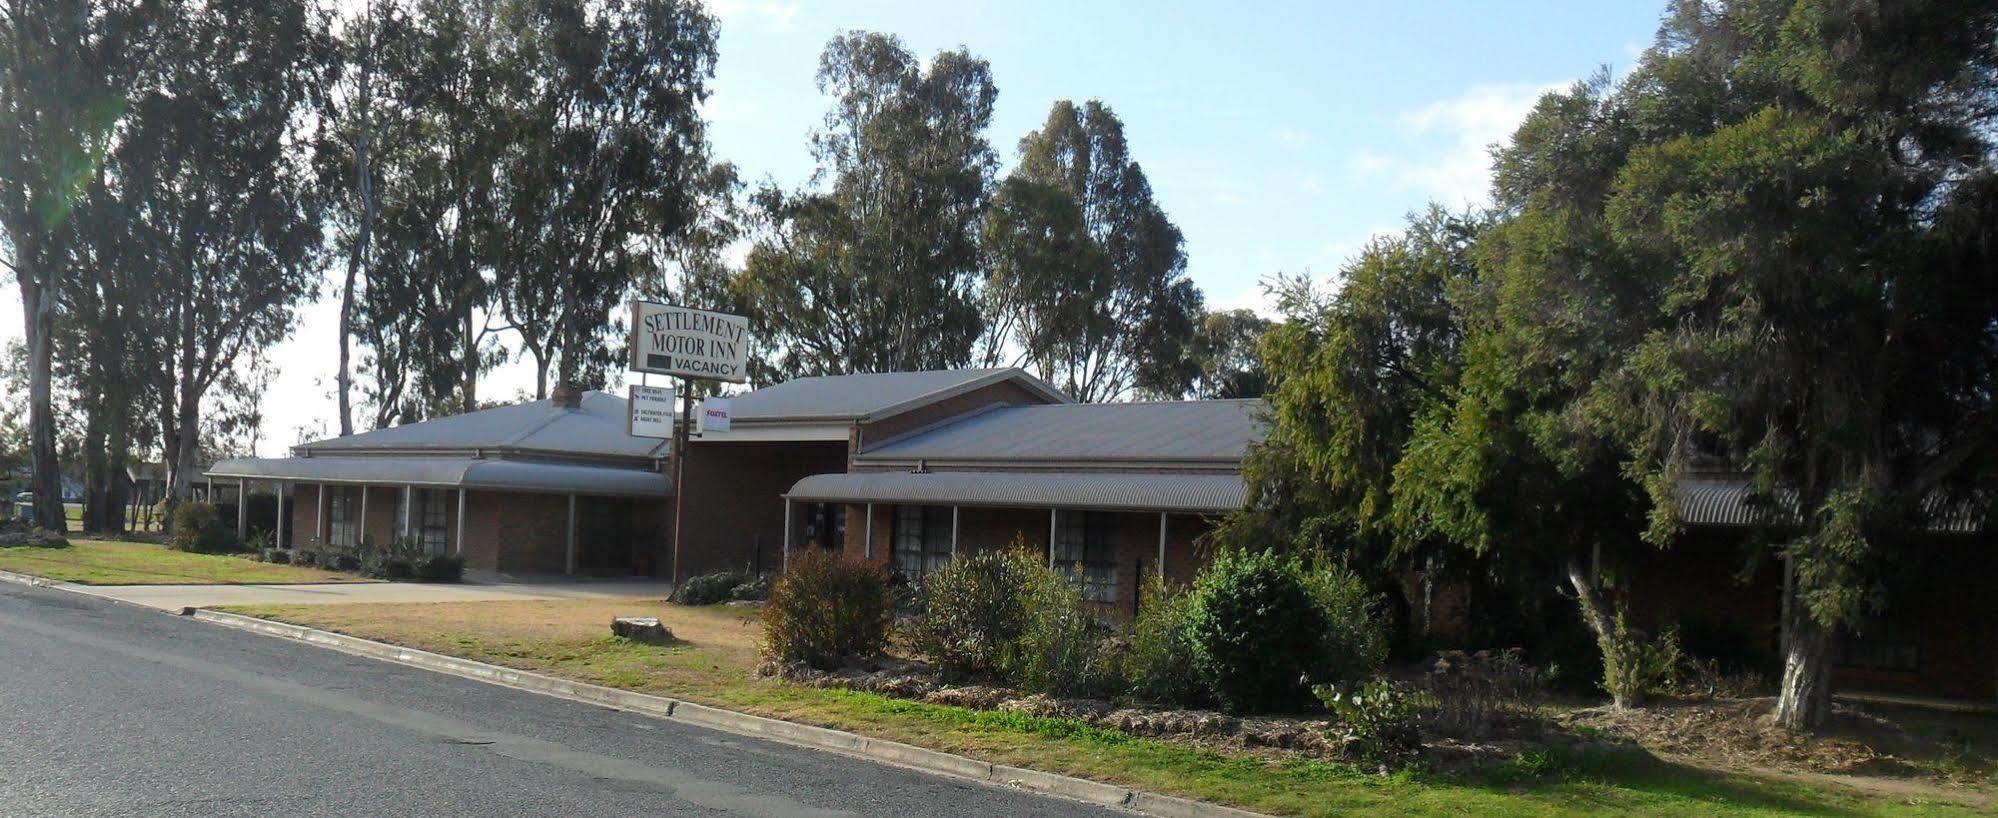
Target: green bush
(974, 611)
(827, 608)
(439, 568)
(198, 528)
(278, 556)
(1258, 633)
(1635, 667)
(707, 589)
(1062, 651)
(1159, 665)
(1377, 722)
(1356, 637)
(752, 590)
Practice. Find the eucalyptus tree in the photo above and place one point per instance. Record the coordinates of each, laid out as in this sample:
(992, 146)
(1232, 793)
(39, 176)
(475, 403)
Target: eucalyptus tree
(211, 154)
(608, 167)
(1088, 275)
(1225, 350)
(64, 70)
(877, 270)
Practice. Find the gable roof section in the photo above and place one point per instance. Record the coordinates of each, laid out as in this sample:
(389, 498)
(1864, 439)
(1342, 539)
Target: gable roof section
(870, 396)
(1197, 434)
(595, 429)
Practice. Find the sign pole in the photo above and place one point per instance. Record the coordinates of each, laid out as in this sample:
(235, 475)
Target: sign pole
(680, 471)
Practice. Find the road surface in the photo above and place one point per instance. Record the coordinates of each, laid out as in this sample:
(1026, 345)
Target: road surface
(111, 709)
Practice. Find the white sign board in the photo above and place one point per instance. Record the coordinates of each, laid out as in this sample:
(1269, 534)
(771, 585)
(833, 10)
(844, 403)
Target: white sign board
(651, 411)
(690, 343)
(714, 414)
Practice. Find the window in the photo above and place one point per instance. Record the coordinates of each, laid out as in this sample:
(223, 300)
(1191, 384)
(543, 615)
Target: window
(1083, 550)
(921, 543)
(825, 525)
(433, 521)
(341, 516)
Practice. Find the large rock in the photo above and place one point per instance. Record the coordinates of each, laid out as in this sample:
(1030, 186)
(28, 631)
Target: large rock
(642, 629)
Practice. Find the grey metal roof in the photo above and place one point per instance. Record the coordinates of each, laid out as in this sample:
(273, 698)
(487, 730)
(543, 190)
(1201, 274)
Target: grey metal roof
(452, 472)
(595, 428)
(864, 396)
(1725, 500)
(1200, 431)
(1187, 493)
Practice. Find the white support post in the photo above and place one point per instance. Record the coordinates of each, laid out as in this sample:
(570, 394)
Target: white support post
(867, 544)
(277, 532)
(408, 500)
(784, 548)
(1162, 539)
(319, 527)
(361, 532)
(460, 549)
(1053, 515)
(571, 560)
(242, 511)
(953, 532)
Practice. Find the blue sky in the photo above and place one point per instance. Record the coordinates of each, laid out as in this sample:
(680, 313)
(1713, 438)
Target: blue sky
(1279, 136)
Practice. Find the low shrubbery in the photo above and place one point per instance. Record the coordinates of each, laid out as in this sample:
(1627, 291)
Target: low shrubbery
(1158, 666)
(827, 609)
(403, 560)
(973, 612)
(714, 589)
(23, 532)
(1636, 666)
(197, 527)
(1377, 721)
(1474, 695)
(1258, 633)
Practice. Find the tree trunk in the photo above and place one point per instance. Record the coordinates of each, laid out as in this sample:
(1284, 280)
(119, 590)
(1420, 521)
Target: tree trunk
(1803, 701)
(96, 473)
(470, 364)
(38, 310)
(1601, 619)
(365, 189)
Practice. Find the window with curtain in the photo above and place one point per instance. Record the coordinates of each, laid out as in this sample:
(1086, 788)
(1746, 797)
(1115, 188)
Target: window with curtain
(1083, 550)
(342, 515)
(433, 519)
(921, 541)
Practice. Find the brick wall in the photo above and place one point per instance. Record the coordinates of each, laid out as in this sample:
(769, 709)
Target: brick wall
(1133, 537)
(734, 506)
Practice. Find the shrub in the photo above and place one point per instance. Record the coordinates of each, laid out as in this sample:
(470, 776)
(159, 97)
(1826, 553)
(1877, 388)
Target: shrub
(706, 589)
(825, 609)
(1158, 667)
(1257, 632)
(275, 555)
(198, 528)
(439, 568)
(1377, 722)
(24, 533)
(1355, 638)
(974, 611)
(308, 557)
(1062, 650)
(1634, 666)
(752, 590)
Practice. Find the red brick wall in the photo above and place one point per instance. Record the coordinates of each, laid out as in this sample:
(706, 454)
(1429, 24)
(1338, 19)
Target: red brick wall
(1134, 536)
(734, 505)
(301, 531)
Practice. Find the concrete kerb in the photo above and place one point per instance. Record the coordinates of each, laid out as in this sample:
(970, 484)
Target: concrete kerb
(803, 735)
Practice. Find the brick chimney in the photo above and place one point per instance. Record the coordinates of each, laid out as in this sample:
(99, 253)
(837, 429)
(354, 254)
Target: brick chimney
(565, 395)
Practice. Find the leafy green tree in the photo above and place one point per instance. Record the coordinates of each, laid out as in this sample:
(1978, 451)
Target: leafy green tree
(1088, 274)
(877, 271)
(605, 171)
(1225, 348)
(64, 67)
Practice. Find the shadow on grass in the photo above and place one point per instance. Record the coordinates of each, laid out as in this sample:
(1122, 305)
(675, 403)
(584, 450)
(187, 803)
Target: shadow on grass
(1580, 774)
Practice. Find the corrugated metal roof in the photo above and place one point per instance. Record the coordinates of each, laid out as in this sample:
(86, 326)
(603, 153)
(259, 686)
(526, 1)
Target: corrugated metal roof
(596, 428)
(863, 395)
(452, 472)
(1216, 431)
(1188, 493)
(1726, 501)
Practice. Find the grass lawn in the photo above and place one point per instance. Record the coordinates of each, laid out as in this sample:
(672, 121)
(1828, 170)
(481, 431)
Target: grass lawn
(713, 663)
(101, 562)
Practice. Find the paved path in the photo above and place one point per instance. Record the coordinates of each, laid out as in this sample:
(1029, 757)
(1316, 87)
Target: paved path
(176, 597)
(113, 710)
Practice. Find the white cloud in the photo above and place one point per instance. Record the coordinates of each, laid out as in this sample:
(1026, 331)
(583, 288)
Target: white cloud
(1229, 198)
(779, 15)
(1464, 128)
(1291, 138)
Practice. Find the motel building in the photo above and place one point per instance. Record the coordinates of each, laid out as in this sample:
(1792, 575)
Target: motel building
(904, 469)
(911, 469)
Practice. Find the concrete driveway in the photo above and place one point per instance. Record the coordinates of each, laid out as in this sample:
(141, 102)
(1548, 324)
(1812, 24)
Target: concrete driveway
(176, 597)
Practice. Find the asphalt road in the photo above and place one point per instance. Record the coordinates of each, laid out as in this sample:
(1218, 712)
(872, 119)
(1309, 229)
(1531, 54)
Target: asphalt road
(108, 709)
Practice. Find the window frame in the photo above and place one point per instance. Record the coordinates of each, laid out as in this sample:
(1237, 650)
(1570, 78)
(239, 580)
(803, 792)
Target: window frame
(919, 540)
(1084, 550)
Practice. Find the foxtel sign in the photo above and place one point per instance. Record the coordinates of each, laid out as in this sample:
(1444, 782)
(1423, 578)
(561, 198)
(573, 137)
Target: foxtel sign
(689, 343)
